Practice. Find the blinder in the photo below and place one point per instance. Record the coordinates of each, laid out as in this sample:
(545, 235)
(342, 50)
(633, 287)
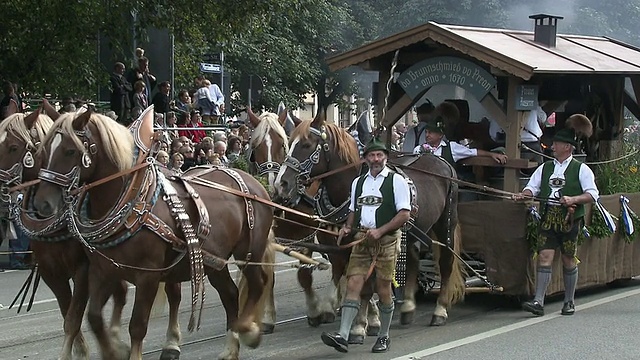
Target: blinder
(304, 168)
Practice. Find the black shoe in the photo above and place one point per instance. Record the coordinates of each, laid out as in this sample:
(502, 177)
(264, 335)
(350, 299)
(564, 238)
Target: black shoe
(381, 345)
(533, 307)
(335, 341)
(568, 308)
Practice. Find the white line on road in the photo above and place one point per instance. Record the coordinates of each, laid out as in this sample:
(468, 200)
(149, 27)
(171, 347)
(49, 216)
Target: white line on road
(508, 328)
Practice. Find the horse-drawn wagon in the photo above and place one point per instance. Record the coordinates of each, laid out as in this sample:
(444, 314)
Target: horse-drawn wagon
(502, 75)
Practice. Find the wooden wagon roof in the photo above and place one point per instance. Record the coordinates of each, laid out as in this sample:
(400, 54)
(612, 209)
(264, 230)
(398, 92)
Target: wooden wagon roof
(512, 51)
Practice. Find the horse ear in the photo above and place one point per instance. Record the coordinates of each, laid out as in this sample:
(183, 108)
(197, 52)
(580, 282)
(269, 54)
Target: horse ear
(49, 110)
(30, 119)
(255, 120)
(11, 109)
(282, 117)
(82, 120)
(320, 118)
(295, 119)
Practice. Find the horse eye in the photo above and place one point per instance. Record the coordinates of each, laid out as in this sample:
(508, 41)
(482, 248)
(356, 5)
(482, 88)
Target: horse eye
(13, 148)
(306, 145)
(70, 152)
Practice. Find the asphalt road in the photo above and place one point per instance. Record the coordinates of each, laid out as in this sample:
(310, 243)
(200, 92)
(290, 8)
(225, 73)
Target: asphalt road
(484, 327)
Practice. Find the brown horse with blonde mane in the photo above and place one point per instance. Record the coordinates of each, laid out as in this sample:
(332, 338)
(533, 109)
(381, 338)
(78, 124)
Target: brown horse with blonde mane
(134, 216)
(317, 148)
(269, 145)
(58, 256)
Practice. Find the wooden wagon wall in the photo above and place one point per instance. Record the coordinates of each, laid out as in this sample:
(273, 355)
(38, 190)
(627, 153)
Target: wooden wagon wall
(496, 231)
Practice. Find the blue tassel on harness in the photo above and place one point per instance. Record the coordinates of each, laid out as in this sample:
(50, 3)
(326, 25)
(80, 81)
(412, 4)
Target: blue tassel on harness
(585, 232)
(625, 212)
(608, 218)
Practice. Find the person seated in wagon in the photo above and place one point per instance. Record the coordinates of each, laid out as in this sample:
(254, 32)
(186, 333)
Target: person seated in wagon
(437, 144)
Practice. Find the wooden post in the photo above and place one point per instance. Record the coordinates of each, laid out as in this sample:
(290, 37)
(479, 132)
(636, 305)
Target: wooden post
(514, 119)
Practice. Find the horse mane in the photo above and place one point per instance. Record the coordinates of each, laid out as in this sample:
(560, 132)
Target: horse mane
(342, 141)
(268, 121)
(117, 140)
(15, 125)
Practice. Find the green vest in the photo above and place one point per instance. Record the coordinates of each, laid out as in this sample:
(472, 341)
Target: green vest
(447, 155)
(571, 187)
(387, 209)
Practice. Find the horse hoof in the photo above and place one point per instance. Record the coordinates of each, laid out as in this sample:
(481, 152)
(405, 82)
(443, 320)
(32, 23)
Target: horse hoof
(170, 354)
(328, 318)
(268, 328)
(314, 321)
(356, 339)
(373, 330)
(437, 320)
(407, 318)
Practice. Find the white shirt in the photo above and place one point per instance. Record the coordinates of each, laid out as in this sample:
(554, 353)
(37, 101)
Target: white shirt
(587, 179)
(412, 136)
(371, 187)
(532, 126)
(458, 152)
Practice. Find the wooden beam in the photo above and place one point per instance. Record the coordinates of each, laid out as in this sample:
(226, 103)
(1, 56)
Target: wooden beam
(635, 82)
(493, 106)
(632, 105)
(398, 109)
(514, 121)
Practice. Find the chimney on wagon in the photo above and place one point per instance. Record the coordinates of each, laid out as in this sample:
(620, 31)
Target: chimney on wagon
(546, 27)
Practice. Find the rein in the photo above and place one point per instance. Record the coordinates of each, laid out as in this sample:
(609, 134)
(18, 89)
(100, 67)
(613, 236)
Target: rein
(335, 171)
(86, 187)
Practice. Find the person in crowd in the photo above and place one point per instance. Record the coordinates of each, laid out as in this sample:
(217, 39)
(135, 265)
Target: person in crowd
(566, 185)
(220, 148)
(139, 99)
(163, 158)
(380, 205)
(142, 73)
(9, 94)
(195, 136)
(161, 100)
(414, 135)
(177, 161)
(234, 150)
(218, 101)
(121, 90)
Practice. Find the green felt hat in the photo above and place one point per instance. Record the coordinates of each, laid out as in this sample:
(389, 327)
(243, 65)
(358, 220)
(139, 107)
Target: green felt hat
(375, 145)
(566, 135)
(436, 125)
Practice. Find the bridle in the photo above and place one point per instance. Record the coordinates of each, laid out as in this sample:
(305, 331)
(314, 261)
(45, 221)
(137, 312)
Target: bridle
(303, 169)
(13, 175)
(71, 180)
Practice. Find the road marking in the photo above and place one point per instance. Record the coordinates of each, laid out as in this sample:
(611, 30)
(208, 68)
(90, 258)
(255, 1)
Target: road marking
(508, 328)
(45, 301)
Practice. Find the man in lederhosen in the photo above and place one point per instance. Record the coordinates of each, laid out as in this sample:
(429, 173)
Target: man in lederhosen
(566, 184)
(380, 205)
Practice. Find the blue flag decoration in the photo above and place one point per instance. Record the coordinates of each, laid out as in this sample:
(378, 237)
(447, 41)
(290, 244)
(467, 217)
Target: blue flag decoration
(608, 218)
(585, 232)
(534, 213)
(625, 214)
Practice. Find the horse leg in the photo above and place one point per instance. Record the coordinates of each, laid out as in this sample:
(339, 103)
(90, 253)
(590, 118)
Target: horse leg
(305, 279)
(100, 288)
(269, 318)
(452, 286)
(73, 319)
(146, 290)
(254, 282)
(171, 349)
(358, 328)
(221, 280)
(408, 308)
(119, 301)
(373, 318)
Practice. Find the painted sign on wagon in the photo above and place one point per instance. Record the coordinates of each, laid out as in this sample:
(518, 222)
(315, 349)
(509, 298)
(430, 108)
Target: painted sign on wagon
(446, 70)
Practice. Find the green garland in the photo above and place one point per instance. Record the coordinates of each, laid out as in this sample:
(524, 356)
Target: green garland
(533, 226)
(241, 163)
(598, 228)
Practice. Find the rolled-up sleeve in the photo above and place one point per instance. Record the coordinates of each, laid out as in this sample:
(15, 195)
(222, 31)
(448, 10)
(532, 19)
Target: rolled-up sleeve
(352, 204)
(588, 182)
(401, 193)
(535, 181)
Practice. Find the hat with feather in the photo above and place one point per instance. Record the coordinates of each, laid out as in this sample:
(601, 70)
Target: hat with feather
(576, 127)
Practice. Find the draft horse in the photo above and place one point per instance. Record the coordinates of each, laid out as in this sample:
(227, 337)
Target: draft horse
(269, 145)
(317, 147)
(59, 257)
(137, 217)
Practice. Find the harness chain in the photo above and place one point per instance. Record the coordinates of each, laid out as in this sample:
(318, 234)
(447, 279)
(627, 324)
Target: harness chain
(193, 247)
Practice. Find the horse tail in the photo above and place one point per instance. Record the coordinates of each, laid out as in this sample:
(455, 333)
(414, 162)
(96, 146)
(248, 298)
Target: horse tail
(159, 307)
(457, 284)
(268, 258)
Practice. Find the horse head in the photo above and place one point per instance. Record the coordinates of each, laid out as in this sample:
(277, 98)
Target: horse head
(80, 148)
(315, 147)
(268, 144)
(20, 136)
